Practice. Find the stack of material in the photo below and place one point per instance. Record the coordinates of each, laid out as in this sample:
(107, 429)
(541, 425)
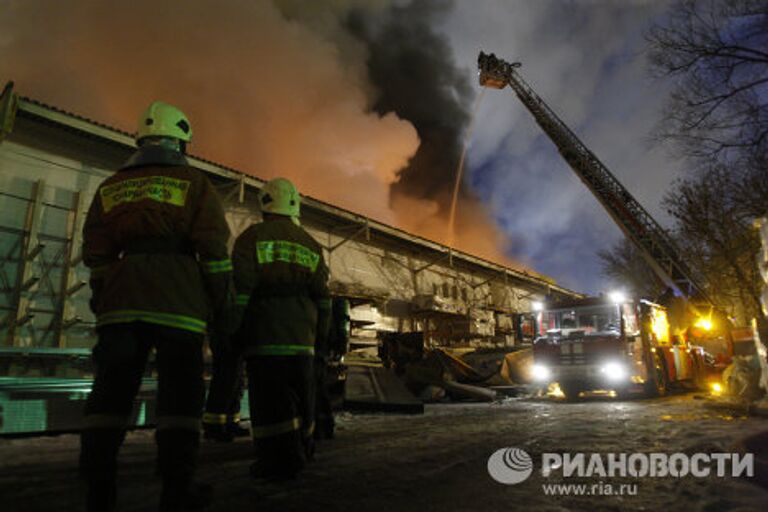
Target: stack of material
(365, 314)
(742, 377)
(378, 389)
(359, 290)
(437, 304)
(477, 323)
(759, 325)
(503, 367)
(481, 322)
(398, 350)
(441, 370)
(517, 367)
(504, 323)
(435, 375)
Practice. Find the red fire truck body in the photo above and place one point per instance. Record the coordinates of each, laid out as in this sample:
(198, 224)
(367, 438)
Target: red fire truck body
(596, 344)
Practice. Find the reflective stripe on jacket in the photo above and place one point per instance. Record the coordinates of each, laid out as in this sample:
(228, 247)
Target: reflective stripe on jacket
(282, 283)
(155, 239)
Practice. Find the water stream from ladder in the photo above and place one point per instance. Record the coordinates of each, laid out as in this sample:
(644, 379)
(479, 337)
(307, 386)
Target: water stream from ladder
(460, 169)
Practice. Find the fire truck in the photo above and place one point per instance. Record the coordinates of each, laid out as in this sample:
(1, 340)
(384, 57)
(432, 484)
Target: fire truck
(628, 344)
(616, 345)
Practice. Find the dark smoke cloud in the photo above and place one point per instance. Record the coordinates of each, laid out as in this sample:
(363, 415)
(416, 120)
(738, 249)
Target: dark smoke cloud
(415, 76)
(357, 101)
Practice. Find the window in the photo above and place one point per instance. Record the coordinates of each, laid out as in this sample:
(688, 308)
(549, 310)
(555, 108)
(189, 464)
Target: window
(590, 319)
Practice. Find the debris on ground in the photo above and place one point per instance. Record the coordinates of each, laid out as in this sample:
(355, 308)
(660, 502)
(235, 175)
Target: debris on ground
(439, 369)
(378, 389)
(742, 378)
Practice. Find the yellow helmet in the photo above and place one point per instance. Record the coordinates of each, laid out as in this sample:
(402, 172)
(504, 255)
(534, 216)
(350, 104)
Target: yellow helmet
(279, 196)
(164, 120)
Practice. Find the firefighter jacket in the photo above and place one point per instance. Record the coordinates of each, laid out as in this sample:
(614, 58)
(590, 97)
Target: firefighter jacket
(282, 283)
(155, 240)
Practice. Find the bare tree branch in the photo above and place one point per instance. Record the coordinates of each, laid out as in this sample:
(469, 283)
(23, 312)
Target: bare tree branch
(719, 52)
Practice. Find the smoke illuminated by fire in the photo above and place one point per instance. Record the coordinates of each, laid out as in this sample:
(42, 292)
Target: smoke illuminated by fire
(270, 89)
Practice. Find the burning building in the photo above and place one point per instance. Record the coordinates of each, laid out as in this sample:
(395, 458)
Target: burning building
(51, 162)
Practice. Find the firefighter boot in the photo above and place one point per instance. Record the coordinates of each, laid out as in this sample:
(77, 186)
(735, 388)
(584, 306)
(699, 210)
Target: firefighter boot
(237, 430)
(98, 465)
(220, 433)
(325, 429)
(177, 459)
(329, 427)
(224, 433)
(279, 458)
(309, 448)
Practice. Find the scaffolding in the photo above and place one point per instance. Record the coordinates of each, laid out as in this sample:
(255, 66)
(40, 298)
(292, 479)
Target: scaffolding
(38, 277)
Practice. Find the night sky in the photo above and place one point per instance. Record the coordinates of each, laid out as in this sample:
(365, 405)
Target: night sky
(290, 88)
(586, 60)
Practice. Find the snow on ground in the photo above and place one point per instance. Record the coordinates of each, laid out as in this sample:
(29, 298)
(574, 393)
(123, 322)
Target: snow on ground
(434, 462)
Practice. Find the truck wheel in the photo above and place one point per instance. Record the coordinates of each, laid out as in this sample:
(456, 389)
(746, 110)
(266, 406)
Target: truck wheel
(570, 391)
(657, 385)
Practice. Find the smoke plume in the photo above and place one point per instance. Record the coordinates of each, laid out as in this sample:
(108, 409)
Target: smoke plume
(358, 102)
(415, 76)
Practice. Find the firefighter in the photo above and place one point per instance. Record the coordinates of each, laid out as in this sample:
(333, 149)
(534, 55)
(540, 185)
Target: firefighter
(335, 347)
(155, 241)
(221, 420)
(281, 281)
(324, 422)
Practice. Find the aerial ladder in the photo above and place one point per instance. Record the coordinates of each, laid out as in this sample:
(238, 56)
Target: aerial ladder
(655, 245)
(651, 240)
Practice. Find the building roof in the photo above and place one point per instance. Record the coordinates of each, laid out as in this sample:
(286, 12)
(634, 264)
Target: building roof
(36, 110)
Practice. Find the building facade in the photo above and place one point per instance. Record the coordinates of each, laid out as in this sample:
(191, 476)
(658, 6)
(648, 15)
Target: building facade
(51, 163)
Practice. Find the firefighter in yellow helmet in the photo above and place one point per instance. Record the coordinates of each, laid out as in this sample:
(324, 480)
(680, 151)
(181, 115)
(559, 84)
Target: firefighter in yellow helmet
(282, 283)
(155, 240)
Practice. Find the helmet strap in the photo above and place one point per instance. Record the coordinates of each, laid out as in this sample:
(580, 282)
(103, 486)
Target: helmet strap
(164, 142)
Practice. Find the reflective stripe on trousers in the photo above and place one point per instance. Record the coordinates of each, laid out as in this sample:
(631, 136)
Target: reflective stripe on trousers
(282, 350)
(276, 429)
(210, 418)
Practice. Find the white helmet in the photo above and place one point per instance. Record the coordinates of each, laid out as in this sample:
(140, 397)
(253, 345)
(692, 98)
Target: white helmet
(164, 120)
(280, 197)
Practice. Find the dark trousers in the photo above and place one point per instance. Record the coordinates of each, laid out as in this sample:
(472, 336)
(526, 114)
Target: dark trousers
(323, 409)
(226, 388)
(120, 358)
(281, 396)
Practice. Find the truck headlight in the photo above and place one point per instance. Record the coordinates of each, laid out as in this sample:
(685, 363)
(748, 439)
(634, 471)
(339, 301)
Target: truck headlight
(541, 372)
(614, 371)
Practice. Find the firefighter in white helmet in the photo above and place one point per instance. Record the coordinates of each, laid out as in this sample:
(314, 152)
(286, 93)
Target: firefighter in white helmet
(155, 240)
(282, 283)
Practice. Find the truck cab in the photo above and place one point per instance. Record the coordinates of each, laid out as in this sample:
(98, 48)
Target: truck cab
(599, 343)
